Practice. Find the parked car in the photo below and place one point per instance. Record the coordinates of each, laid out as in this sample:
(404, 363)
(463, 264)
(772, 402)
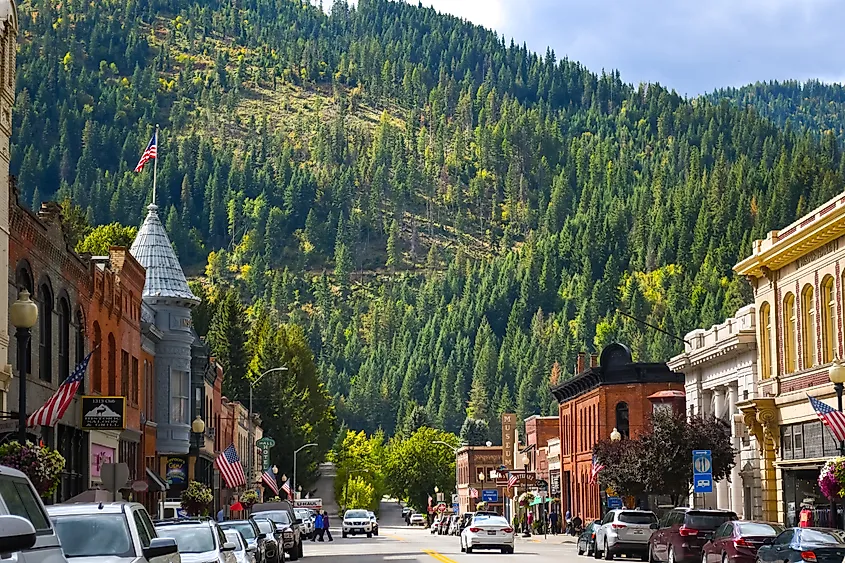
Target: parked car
(26, 532)
(587, 539)
(682, 532)
(737, 541)
(436, 523)
(307, 526)
(406, 512)
(624, 532)
(488, 532)
(464, 521)
(255, 540)
(356, 522)
(417, 519)
(273, 551)
(374, 521)
(288, 526)
(120, 531)
(454, 521)
(816, 545)
(200, 540)
(240, 551)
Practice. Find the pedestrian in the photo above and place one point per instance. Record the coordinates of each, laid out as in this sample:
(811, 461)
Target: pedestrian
(553, 519)
(576, 525)
(318, 527)
(326, 525)
(221, 515)
(529, 520)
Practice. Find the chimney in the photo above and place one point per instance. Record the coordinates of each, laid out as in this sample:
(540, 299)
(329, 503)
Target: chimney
(594, 360)
(581, 363)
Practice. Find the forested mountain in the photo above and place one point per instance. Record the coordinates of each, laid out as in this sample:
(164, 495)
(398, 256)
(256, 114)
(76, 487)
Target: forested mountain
(446, 215)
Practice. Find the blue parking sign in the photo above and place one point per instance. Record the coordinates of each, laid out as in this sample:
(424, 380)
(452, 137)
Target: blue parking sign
(702, 471)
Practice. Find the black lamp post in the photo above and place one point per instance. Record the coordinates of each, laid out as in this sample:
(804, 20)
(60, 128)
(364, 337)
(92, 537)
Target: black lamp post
(23, 315)
(837, 377)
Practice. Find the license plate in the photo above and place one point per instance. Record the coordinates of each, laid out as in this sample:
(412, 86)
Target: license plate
(491, 533)
(638, 532)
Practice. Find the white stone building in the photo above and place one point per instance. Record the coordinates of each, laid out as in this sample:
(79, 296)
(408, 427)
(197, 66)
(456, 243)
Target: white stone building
(720, 367)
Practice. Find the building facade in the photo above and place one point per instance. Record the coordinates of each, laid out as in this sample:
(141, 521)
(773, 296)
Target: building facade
(612, 394)
(720, 367)
(796, 274)
(477, 468)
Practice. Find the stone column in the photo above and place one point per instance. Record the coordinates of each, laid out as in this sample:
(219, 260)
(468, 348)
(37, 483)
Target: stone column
(719, 404)
(737, 504)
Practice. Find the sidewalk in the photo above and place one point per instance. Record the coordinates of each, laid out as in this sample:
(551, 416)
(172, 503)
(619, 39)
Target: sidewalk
(549, 539)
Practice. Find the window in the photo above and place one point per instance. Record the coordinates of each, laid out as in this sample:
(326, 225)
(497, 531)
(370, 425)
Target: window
(765, 341)
(178, 397)
(143, 531)
(784, 537)
(45, 333)
(97, 358)
(135, 390)
(112, 367)
(64, 339)
(20, 500)
(94, 535)
(828, 311)
(149, 394)
(808, 330)
(789, 334)
(797, 442)
(125, 390)
(622, 424)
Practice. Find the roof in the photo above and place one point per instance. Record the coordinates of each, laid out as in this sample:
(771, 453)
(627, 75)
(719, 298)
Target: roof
(12, 472)
(668, 394)
(89, 508)
(152, 249)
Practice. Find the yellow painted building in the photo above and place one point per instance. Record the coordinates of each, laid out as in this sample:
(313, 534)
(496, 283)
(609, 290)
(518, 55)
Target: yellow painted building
(797, 277)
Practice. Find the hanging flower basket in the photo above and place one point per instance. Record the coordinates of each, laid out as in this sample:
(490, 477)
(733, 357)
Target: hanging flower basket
(526, 498)
(41, 464)
(274, 499)
(832, 478)
(196, 499)
(248, 499)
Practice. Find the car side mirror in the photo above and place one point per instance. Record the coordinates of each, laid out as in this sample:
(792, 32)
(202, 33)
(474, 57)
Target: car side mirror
(160, 547)
(299, 520)
(229, 546)
(267, 536)
(768, 541)
(654, 526)
(16, 534)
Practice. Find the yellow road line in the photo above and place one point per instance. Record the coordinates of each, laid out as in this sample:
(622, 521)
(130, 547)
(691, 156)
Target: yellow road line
(391, 536)
(440, 557)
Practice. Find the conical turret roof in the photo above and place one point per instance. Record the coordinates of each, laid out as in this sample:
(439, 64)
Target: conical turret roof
(165, 278)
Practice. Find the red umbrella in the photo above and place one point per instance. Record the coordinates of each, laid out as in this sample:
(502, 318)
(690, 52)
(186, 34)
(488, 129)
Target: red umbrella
(237, 506)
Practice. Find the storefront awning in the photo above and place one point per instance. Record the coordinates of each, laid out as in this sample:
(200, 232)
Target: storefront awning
(157, 484)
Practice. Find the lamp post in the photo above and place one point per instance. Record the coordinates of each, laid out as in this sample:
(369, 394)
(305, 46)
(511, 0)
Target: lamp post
(23, 315)
(251, 462)
(293, 477)
(615, 435)
(837, 377)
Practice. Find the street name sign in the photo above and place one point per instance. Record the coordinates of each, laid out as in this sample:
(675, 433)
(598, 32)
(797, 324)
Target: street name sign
(490, 495)
(614, 503)
(702, 471)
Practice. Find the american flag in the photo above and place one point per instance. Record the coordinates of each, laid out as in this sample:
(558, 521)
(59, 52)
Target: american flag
(270, 480)
(473, 492)
(513, 479)
(55, 408)
(150, 153)
(230, 467)
(830, 417)
(286, 488)
(594, 472)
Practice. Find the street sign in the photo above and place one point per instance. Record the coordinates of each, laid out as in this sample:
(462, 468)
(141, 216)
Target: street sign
(542, 485)
(490, 495)
(265, 442)
(264, 445)
(455, 499)
(702, 471)
(456, 507)
(614, 503)
(114, 476)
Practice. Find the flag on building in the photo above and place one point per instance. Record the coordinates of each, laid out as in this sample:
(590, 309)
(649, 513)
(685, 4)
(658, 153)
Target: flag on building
(270, 480)
(429, 501)
(150, 153)
(594, 471)
(830, 417)
(286, 488)
(230, 467)
(513, 479)
(473, 492)
(55, 408)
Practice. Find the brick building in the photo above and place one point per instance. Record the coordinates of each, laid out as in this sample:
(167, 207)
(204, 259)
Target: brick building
(474, 467)
(538, 431)
(611, 393)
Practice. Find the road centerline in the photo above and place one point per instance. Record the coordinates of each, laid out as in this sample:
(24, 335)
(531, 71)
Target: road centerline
(440, 557)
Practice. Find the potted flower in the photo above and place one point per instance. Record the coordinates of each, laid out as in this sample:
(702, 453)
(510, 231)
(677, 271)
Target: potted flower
(526, 498)
(196, 499)
(832, 478)
(41, 464)
(248, 498)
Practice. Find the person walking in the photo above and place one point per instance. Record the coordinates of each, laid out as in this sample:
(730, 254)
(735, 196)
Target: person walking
(318, 527)
(326, 526)
(553, 519)
(221, 515)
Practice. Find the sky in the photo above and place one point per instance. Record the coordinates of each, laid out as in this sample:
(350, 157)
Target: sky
(693, 46)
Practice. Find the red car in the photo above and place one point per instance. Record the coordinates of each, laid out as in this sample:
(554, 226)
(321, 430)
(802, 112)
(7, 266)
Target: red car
(737, 541)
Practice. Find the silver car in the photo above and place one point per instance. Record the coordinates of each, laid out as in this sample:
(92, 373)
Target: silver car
(624, 532)
(114, 532)
(240, 551)
(200, 540)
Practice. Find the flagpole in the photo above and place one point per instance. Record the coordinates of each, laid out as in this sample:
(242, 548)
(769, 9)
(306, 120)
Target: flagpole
(155, 166)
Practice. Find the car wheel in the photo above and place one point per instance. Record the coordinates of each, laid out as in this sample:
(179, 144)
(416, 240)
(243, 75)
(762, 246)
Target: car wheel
(343, 534)
(462, 545)
(608, 555)
(469, 549)
(294, 553)
(596, 552)
(590, 549)
(299, 550)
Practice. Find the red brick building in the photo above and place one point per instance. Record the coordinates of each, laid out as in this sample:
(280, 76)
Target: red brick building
(474, 467)
(538, 431)
(611, 393)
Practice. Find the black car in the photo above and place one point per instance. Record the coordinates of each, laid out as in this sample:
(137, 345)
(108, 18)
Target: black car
(793, 545)
(255, 540)
(272, 546)
(587, 539)
(288, 532)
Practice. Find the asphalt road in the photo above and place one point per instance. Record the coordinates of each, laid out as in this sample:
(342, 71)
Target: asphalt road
(397, 542)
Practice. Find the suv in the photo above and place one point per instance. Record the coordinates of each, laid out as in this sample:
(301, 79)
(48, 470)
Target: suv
(121, 531)
(200, 540)
(682, 532)
(357, 522)
(25, 530)
(255, 540)
(624, 532)
(288, 525)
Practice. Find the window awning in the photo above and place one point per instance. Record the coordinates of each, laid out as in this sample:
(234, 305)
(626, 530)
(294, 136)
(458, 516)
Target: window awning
(157, 484)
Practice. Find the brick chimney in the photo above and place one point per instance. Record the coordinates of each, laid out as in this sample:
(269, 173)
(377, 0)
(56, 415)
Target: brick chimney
(594, 360)
(581, 363)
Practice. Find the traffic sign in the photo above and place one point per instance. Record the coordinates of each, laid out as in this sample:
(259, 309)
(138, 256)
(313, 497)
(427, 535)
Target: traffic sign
(456, 507)
(490, 495)
(614, 503)
(702, 471)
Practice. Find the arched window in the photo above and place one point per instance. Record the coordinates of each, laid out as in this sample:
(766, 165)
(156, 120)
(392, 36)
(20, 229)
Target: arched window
(45, 333)
(808, 328)
(765, 341)
(828, 321)
(789, 334)
(64, 339)
(622, 424)
(97, 359)
(112, 367)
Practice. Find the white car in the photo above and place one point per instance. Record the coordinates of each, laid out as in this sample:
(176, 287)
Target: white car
(199, 540)
(487, 532)
(374, 521)
(624, 532)
(417, 519)
(307, 526)
(240, 551)
(357, 522)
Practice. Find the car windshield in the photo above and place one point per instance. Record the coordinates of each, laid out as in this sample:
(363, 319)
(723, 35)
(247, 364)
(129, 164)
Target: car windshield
(818, 536)
(354, 514)
(234, 537)
(637, 517)
(277, 516)
(490, 520)
(757, 529)
(245, 528)
(189, 539)
(707, 520)
(265, 526)
(94, 535)
(302, 513)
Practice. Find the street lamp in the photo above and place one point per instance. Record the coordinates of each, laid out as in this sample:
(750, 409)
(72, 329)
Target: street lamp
(293, 477)
(615, 436)
(837, 377)
(252, 385)
(489, 443)
(23, 315)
